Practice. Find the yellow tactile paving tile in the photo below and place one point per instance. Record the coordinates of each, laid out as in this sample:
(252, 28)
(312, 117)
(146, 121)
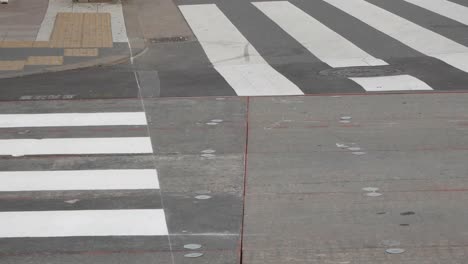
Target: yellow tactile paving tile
(81, 52)
(86, 30)
(97, 30)
(16, 44)
(17, 65)
(41, 44)
(68, 30)
(45, 60)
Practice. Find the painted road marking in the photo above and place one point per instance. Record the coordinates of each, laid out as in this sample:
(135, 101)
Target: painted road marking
(233, 56)
(391, 83)
(332, 48)
(72, 119)
(16, 181)
(445, 8)
(119, 32)
(407, 32)
(326, 44)
(139, 222)
(75, 146)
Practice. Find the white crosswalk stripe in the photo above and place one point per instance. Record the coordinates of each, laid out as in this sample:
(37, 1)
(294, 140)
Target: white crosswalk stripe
(248, 73)
(407, 32)
(445, 8)
(332, 48)
(233, 56)
(142, 222)
(87, 222)
(15, 181)
(391, 83)
(72, 119)
(75, 146)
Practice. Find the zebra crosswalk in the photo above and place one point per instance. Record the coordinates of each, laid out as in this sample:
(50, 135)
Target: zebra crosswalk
(249, 69)
(68, 195)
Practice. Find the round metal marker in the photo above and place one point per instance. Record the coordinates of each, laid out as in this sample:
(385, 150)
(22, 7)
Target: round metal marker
(370, 189)
(192, 246)
(193, 255)
(358, 153)
(202, 197)
(395, 250)
(354, 148)
(373, 194)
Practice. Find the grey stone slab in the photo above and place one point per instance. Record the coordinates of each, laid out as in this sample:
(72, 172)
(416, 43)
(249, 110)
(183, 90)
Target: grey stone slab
(93, 257)
(36, 247)
(73, 132)
(191, 126)
(219, 216)
(70, 106)
(80, 200)
(305, 197)
(310, 124)
(77, 163)
(150, 85)
(190, 174)
(315, 172)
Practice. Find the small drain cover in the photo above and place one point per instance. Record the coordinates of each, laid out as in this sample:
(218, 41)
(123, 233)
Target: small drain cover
(368, 71)
(169, 39)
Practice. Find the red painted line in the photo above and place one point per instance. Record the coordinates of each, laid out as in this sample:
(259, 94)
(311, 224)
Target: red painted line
(246, 151)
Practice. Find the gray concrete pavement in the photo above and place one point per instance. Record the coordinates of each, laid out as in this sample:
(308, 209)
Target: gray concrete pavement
(328, 179)
(307, 170)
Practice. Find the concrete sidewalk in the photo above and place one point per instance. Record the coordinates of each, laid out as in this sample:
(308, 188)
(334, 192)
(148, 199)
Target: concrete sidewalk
(42, 36)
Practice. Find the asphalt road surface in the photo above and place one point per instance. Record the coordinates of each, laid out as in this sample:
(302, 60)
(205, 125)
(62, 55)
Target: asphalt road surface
(204, 149)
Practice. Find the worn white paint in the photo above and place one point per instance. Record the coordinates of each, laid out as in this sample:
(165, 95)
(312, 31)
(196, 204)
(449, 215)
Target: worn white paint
(327, 45)
(233, 56)
(119, 32)
(446, 8)
(391, 83)
(407, 32)
(70, 146)
(72, 119)
(143, 222)
(14, 181)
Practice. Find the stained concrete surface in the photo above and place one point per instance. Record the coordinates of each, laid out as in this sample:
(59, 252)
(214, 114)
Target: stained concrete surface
(305, 201)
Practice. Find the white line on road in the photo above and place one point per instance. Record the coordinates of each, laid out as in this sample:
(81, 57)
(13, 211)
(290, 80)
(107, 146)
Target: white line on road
(141, 222)
(445, 8)
(15, 181)
(407, 32)
(326, 44)
(72, 119)
(391, 83)
(70, 146)
(233, 56)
